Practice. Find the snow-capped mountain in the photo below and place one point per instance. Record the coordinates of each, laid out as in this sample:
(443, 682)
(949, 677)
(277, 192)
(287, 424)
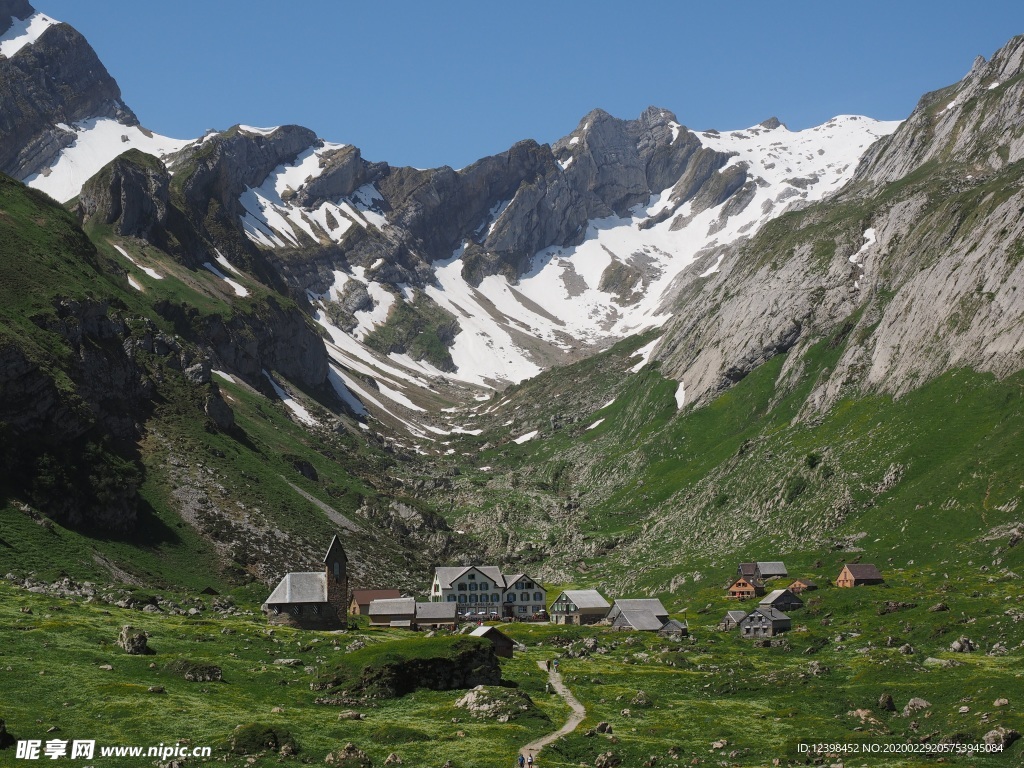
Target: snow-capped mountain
(426, 279)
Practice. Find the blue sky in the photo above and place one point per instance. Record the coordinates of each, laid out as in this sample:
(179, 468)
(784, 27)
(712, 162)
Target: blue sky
(444, 83)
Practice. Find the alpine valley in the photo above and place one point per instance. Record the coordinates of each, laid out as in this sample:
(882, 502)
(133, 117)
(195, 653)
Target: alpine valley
(627, 361)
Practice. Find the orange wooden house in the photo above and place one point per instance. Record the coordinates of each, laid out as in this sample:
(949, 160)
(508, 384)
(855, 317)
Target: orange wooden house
(744, 588)
(856, 574)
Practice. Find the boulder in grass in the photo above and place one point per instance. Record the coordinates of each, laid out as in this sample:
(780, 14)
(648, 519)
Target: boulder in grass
(256, 738)
(915, 705)
(349, 756)
(1001, 737)
(133, 642)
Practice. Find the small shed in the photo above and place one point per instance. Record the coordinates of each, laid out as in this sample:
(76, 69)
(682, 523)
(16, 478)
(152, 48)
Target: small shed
(802, 585)
(856, 574)
(673, 628)
(731, 620)
(384, 613)
(782, 599)
(744, 589)
(764, 621)
(436, 615)
(503, 644)
(579, 606)
(361, 599)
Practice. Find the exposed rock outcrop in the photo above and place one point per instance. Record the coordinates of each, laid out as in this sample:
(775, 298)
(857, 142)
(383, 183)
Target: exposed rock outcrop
(131, 194)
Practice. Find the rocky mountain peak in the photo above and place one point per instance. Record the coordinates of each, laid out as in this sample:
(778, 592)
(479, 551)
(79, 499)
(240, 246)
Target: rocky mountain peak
(46, 86)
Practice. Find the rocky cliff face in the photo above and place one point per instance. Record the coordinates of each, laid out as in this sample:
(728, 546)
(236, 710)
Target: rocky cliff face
(918, 260)
(76, 86)
(131, 194)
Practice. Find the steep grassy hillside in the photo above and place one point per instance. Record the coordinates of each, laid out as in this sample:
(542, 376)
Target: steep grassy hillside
(124, 459)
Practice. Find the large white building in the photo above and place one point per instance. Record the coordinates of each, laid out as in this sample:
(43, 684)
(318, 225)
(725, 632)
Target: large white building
(483, 591)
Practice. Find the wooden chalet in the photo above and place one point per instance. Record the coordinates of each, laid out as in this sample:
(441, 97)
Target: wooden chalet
(744, 589)
(361, 599)
(503, 644)
(764, 621)
(857, 574)
(783, 600)
(802, 585)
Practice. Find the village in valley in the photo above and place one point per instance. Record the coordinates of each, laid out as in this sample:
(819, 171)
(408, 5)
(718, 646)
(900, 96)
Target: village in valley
(482, 595)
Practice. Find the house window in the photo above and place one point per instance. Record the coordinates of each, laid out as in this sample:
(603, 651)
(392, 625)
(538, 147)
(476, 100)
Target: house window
(462, 598)
(337, 569)
(471, 576)
(510, 597)
(451, 598)
(494, 597)
(277, 610)
(297, 610)
(525, 596)
(462, 587)
(472, 598)
(538, 596)
(527, 585)
(316, 610)
(521, 608)
(483, 586)
(473, 587)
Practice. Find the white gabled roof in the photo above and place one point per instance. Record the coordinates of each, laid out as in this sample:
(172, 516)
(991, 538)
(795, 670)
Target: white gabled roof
(445, 575)
(308, 587)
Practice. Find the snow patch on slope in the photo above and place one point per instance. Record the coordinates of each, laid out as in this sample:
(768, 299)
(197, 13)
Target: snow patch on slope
(24, 32)
(271, 220)
(291, 403)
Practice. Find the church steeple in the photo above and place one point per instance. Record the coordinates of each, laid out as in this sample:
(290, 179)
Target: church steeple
(336, 569)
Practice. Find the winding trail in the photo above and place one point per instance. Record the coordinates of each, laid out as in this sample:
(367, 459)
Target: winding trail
(578, 713)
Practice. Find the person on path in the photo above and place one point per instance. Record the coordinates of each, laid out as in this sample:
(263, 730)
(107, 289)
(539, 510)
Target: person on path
(529, 760)
(522, 761)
